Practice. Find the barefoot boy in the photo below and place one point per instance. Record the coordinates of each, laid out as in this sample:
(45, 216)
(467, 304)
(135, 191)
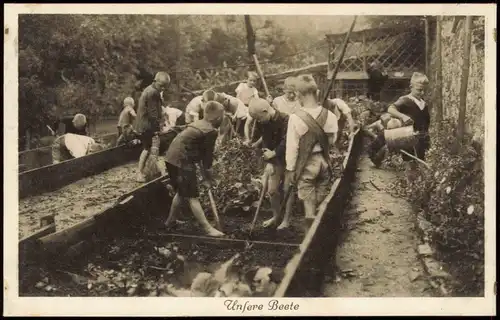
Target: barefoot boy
(311, 133)
(273, 125)
(194, 144)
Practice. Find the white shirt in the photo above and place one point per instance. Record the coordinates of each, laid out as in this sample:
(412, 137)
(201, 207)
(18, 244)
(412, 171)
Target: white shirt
(297, 128)
(193, 109)
(170, 116)
(283, 105)
(341, 107)
(245, 93)
(78, 145)
(241, 108)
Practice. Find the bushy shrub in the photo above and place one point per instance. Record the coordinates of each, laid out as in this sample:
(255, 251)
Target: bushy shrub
(451, 196)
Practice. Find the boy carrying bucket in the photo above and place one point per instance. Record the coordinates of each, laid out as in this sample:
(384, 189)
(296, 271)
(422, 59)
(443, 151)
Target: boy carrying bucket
(411, 109)
(194, 144)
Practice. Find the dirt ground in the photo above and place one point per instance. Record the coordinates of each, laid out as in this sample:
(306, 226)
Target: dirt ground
(378, 255)
(77, 201)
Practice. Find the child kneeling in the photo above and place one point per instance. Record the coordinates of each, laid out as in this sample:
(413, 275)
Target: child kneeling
(195, 144)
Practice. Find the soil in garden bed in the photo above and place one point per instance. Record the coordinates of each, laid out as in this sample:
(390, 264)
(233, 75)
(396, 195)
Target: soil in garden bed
(144, 267)
(77, 201)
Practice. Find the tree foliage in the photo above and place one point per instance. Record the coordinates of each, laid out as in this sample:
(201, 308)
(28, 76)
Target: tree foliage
(90, 63)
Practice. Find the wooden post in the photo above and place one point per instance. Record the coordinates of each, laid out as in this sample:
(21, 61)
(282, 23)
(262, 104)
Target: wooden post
(365, 62)
(439, 74)
(250, 37)
(464, 79)
(427, 44)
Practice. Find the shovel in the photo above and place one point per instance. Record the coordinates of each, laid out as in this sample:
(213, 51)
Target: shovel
(259, 204)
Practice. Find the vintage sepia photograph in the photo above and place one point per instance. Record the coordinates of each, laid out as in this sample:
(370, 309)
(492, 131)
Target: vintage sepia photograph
(179, 154)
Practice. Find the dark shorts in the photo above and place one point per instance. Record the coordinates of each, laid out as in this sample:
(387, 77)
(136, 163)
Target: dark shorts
(419, 151)
(146, 139)
(184, 182)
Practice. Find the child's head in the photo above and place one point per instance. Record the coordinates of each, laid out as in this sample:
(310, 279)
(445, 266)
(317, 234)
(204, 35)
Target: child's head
(418, 84)
(79, 121)
(208, 95)
(260, 110)
(394, 123)
(385, 118)
(252, 79)
(214, 113)
(289, 88)
(128, 102)
(306, 88)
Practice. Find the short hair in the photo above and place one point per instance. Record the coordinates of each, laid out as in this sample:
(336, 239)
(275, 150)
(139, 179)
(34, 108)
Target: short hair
(128, 101)
(258, 106)
(305, 84)
(419, 78)
(213, 110)
(162, 75)
(253, 75)
(79, 121)
(209, 95)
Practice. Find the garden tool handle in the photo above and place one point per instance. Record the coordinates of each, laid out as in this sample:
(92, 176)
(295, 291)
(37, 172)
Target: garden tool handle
(261, 198)
(214, 209)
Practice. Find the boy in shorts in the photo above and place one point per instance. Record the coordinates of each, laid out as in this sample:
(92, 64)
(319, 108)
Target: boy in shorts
(193, 145)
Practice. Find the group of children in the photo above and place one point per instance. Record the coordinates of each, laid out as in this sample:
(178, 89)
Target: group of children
(297, 135)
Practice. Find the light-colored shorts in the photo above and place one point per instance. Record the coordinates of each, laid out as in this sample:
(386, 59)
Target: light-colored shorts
(315, 181)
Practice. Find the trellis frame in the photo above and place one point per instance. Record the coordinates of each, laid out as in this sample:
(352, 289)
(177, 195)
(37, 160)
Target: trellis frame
(397, 51)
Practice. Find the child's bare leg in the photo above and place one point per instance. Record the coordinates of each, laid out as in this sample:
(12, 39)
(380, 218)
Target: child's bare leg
(272, 190)
(198, 213)
(142, 162)
(161, 166)
(175, 209)
(288, 212)
(310, 207)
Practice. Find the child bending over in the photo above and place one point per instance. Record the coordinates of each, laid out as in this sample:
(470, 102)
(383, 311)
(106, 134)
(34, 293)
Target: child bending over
(193, 145)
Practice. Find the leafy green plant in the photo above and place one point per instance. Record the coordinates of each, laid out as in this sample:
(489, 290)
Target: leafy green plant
(451, 196)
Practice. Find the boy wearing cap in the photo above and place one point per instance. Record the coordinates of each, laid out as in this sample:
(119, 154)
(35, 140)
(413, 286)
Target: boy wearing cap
(312, 132)
(148, 120)
(286, 103)
(412, 109)
(273, 125)
(127, 115)
(193, 145)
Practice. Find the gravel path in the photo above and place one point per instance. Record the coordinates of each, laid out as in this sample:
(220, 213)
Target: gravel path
(378, 256)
